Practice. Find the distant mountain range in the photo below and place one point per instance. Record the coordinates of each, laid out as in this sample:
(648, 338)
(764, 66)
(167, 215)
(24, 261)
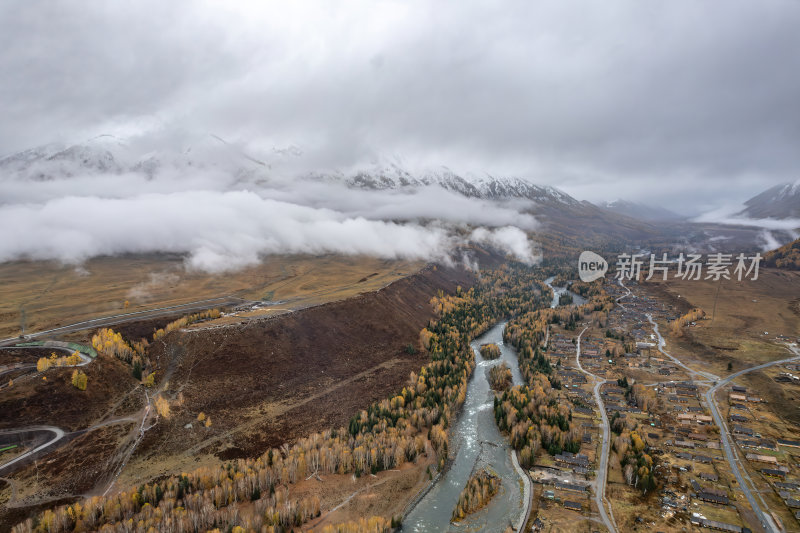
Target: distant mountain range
(570, 222)
(110, 154)
(641, 211)
(107, 154)
(395, 177)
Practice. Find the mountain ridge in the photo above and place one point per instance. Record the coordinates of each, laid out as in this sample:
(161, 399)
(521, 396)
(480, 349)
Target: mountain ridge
(641, 211)
(113, 155)
(781, 202)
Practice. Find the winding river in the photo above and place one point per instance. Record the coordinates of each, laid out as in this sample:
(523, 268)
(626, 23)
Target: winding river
(577, 299)
(475, 443)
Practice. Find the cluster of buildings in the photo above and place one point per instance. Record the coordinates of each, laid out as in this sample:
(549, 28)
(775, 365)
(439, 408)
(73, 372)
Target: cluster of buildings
(764, 454)
(680, 432)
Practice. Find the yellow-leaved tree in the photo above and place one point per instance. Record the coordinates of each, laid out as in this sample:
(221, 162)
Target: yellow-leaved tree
(79, 379)
(162, 406)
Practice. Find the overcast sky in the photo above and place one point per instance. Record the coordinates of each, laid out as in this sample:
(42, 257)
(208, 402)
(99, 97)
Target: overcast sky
(691, 104)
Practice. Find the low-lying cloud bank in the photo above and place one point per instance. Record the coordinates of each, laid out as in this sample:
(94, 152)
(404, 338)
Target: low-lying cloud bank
(770, 227)
(224, 230)
(225, 209)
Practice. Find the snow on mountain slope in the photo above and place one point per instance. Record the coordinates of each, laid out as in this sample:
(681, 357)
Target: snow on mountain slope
(226, 209)
(487, 187)
(780, 201)
(103, 154)
(110, 156)
(107, 154)
(263, 192)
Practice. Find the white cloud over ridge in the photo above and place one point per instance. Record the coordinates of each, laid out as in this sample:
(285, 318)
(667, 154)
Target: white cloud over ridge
(224, 230)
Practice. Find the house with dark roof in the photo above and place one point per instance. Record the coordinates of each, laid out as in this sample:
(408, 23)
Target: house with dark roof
(710, 497)
(572, 487)
(573, 506)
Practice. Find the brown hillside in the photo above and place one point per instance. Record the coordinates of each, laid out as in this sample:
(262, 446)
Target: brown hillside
(261, 383)
(787, 256)
(274, 380)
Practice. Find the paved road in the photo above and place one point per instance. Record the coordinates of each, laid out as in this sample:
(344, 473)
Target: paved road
(54, 345)
(58, 434)
(628, 293)
(602, 468)
(662, 343)
(129, 317)
(6, 369)
(730, 449)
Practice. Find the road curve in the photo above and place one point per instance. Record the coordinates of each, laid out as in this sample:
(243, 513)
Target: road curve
(662, 343)
(58, 434)
(55, 345)
(730, 451)
(602, 468)
(628, 293)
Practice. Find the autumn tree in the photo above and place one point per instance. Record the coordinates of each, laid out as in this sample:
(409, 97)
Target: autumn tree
(162, 406)
(500, 377)
(480, 488)
(79, 379)
(186, 321)
(490, 351)
(677, 325)
(254, 493)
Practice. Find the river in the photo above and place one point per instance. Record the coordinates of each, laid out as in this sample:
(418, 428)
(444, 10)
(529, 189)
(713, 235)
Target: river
(577, 299)
(475, 442)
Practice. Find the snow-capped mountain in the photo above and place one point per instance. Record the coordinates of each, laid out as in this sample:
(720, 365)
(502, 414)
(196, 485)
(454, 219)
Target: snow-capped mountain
(109, 155)
(395, 176)
(113, 167)
(780, 201)
(110, 167)
(103, 154)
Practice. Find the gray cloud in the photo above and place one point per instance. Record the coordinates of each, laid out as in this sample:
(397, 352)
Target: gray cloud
(688, 103)
(224, 230)
(225, 209)
(95, 199)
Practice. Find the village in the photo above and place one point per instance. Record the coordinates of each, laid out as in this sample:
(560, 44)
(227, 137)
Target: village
(653, 396)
